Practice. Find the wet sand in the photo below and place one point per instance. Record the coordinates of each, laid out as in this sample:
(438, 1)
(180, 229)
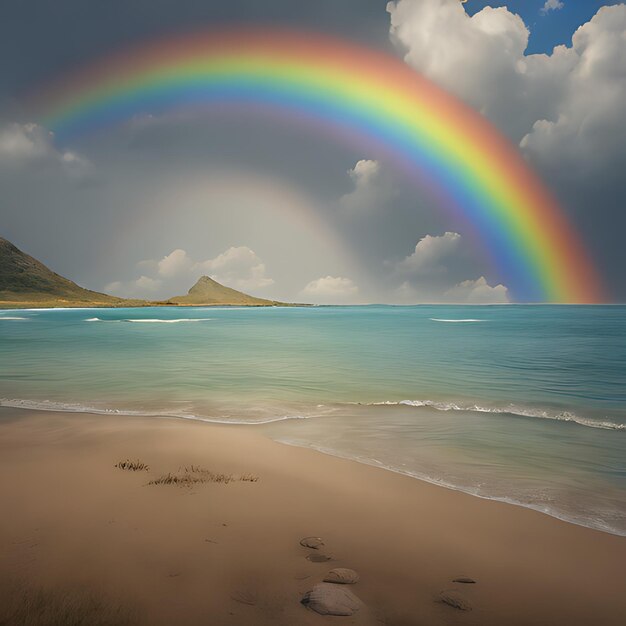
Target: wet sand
(229, 553)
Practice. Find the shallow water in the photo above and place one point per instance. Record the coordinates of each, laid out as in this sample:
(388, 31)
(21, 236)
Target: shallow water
(521, 403)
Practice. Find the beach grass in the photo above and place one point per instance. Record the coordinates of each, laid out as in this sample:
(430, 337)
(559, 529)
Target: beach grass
(21, 603)
(193, 474)
(133, 466)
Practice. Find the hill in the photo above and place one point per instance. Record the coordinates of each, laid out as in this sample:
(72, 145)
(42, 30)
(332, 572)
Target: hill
(209, 292)
(26, 281)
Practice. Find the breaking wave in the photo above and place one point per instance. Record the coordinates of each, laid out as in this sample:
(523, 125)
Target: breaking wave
(152, 321)
(563, 416)
(464, 321)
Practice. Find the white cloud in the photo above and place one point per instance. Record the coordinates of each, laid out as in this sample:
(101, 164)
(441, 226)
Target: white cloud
(176, 262)
(587, 139)
(430, 255)
(331, 289)
(372, 189)
(434, 272)
(25, 144)
(482, 59)
(477, 292)
(551, 5)
(147, 284)
(364, 172)
(143, 287)
(238, 267)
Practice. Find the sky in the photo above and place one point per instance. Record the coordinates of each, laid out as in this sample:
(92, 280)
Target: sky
(147, 207)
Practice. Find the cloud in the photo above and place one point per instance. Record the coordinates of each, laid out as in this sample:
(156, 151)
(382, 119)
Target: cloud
(331, 289)
(176, 262)
(477, 292)
(430, 254)
(143, 287)
(372, 188)
(551, 5)
(481, 58)
(238, 267)
(31, 144)
(586, 140)
(435, 272)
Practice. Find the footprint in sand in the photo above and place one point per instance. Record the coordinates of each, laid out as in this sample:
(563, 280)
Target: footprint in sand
(330, 599)
(342, 576)
(453, 598)
(318, 558)
(466, 580)
(315, 543)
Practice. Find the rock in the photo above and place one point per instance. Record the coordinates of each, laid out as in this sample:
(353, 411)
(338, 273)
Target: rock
(465, 580)
(455, 600)
(315, 543)
(316, 557)
(342, 576)
(328, 599)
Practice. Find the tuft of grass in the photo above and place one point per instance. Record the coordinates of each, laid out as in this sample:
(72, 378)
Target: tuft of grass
(21, 603)
(133, 466)
(193, 474)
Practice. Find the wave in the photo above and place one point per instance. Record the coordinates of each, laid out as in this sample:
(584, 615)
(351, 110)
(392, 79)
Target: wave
(594, 523)
(76, 407)
(152, 321)
(463, 321)
(11, 317)
(564, 416)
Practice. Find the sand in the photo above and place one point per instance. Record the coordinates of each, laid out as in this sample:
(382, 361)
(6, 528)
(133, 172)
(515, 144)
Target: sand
(75, 526)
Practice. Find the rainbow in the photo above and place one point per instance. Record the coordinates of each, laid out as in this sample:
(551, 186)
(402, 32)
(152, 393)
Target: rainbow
(472, 169)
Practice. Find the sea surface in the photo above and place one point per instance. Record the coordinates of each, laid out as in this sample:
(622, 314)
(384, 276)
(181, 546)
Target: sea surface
(525, 404)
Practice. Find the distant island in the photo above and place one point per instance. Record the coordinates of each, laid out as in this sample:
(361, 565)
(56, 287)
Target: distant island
(26, 282)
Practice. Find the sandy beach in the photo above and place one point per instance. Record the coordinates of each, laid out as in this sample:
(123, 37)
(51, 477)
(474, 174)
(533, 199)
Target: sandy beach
(76, 526)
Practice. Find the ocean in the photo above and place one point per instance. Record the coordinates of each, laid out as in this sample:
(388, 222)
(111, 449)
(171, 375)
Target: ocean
(521, 403)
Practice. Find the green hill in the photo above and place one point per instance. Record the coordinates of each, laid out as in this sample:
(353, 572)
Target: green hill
(25, 280)
(209, 292)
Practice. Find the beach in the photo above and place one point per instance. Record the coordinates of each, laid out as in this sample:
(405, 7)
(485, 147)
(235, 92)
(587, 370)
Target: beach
(230, 553)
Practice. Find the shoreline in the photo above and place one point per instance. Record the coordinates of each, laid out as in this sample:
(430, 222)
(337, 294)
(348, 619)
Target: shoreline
(76, 520)
(22, 405)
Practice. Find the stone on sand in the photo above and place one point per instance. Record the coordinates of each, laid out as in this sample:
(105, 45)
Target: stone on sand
(455, 600)
(465, 580)
(315, 543)
(329, 599)
(342, 576)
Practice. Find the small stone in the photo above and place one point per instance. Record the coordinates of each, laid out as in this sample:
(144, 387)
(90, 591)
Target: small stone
(455, 600)
(315, 557)
(465, 580)
(327, 599)
(342, 576)
(315, 543)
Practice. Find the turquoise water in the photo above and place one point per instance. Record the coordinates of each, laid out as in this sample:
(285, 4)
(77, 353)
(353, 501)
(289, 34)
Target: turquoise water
(521, 403)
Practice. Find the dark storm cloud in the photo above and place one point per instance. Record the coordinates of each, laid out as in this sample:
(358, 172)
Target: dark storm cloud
(41, 38)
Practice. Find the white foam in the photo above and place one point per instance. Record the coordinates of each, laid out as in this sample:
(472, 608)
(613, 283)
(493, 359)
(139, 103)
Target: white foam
(464, 321)
(12, 317)
(76, 407)
(157, 321)
(564, 416)
(596, 524)
(152, 321)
